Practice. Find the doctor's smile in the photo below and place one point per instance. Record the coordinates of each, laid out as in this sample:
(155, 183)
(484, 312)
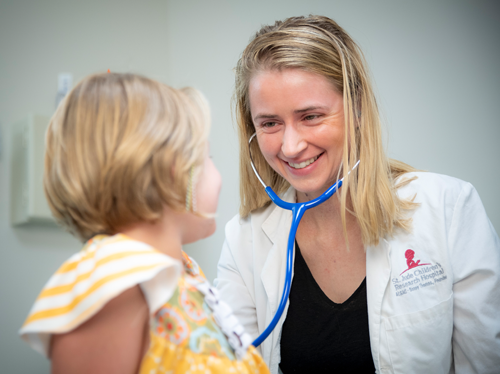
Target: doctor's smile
(302, 165)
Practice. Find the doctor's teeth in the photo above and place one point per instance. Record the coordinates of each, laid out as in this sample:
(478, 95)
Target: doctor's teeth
(303, 164)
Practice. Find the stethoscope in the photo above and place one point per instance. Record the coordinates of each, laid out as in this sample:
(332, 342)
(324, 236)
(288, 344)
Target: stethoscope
(298, 210)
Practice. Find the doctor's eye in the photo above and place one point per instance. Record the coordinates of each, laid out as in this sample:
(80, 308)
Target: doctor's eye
(311, 117)
(268, 124)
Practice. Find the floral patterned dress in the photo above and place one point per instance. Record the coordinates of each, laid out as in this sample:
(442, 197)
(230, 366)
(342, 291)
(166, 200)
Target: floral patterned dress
(191, 330)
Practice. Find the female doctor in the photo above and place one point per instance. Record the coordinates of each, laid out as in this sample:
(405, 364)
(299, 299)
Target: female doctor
(398, 272)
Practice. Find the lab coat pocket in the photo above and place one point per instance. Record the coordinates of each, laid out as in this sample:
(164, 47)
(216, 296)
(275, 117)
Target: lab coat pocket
(420, 342)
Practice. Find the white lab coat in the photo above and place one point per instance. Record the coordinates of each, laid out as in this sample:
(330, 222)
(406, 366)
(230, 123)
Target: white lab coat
(442, 316)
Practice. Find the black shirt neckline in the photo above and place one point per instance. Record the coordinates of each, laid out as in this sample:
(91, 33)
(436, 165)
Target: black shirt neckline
(300, 261)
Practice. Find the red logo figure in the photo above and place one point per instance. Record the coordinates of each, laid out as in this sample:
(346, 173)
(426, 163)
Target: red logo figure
(409, 254)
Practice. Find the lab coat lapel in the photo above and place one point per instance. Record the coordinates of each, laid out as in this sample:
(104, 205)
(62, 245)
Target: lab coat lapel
(276, 227)
(378, 273)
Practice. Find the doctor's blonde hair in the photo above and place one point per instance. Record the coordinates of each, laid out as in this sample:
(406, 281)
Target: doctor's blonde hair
(319, 45)
(119, 148)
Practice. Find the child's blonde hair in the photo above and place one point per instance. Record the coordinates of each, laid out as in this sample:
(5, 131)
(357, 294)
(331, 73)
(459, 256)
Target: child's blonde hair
(119, 148)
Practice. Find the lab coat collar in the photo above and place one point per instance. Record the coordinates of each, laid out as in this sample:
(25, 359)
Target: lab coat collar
(272, 226)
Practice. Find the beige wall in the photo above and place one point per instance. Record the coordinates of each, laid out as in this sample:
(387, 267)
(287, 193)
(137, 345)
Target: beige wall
(435, 65)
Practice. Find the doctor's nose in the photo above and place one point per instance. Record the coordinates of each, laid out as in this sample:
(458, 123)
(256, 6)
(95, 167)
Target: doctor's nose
(293, 142)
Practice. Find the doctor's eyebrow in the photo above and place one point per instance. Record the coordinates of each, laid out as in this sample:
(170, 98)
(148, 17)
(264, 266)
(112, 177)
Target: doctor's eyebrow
(265, 116)
(309, 108)
(298, 111)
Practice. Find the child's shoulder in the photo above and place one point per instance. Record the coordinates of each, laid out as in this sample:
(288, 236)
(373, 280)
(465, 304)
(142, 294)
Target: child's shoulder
(109, 254)
(103, 269)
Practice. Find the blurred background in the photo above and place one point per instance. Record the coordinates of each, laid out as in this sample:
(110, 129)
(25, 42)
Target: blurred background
(435, 66)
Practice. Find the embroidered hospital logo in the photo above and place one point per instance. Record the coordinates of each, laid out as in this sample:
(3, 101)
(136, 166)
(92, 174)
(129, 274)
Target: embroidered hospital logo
(410, 254)
(422, 275)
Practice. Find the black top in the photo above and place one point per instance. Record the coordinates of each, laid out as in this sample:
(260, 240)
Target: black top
(320, 336)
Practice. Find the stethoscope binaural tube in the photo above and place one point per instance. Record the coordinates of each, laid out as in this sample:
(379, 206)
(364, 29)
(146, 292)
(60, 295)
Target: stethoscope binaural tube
(298, 210)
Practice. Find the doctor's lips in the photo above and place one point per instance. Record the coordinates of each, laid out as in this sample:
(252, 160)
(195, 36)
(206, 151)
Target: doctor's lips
(303, 164)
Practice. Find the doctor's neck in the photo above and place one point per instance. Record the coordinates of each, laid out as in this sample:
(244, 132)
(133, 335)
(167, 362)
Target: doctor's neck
(330, 209)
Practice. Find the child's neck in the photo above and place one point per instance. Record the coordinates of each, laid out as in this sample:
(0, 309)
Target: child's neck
(163, 235)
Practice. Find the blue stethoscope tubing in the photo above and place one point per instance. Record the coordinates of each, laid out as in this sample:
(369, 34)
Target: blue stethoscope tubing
(298, 210)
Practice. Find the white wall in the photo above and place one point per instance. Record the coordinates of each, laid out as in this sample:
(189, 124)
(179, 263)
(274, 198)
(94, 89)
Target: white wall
(435, 65)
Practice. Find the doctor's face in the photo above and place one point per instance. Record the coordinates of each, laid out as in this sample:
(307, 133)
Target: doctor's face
(299, 120)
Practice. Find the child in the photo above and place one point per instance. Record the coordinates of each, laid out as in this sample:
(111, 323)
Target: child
(127, 170)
